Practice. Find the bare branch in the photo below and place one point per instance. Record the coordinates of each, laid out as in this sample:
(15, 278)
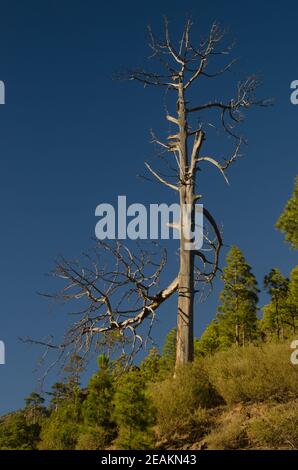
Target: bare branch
(118, 291)
(170, 47)
(215, 247)
(160, 179)
(144, 313)
(215, 163)
(200, 136)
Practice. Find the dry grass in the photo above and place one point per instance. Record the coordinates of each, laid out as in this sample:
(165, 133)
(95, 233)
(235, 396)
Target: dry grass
(253, 374)
(277, 428)
(237, 399)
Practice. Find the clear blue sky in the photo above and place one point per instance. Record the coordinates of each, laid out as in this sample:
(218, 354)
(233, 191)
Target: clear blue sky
(70, 138)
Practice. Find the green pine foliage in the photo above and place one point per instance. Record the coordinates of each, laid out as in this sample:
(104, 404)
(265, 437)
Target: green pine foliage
(151, 366)
(237, 313)
(209, 342)
(288, 220)
(61, 429)
(275, 313)
(97, 407)
(280, 315)
(292, 302)
(169, 352)
(16, 433)
(133, 412)
(98, 429)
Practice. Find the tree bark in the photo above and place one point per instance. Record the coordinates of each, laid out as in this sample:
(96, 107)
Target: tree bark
(184, 348)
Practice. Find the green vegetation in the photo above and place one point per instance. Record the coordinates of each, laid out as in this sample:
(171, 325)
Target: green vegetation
(241, 397)
(241, 391)
(180, 402)
(253, 373)
(237, 313)
(288, 220)
(278, 428)
(133, 412)
(17, 433)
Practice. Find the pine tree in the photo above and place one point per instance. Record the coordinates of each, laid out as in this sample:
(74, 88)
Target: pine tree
(275, 313)
(293, 287)
(59, 393)
(34, 409)
(97, 408)
(151, 366)
(237, 314)
(17, 434)
(73, 371)
(209, 342)
(133, 412)
(288, 220)
(61, 430)
(281, 314)
(68, 388)
(98, 428)
(168, 356)
(291, 316)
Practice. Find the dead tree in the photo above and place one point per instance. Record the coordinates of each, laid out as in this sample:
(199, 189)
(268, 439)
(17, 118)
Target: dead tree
(119, 299)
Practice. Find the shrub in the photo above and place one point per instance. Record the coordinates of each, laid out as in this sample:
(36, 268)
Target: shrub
(58, 435)
(93, 438)
(230, 435)
(278, 428)
(181, 402)
(17, 433)
(253, 373)
(134, 439)
(60, 430)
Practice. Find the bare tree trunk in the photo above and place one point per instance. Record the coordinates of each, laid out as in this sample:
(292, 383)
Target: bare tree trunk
(184, 349)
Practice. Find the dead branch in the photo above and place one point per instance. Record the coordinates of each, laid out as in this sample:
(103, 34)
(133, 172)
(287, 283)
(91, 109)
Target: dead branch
(114, 290)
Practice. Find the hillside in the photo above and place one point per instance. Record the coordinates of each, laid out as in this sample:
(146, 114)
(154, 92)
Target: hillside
(240, 398)
(259, 426)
